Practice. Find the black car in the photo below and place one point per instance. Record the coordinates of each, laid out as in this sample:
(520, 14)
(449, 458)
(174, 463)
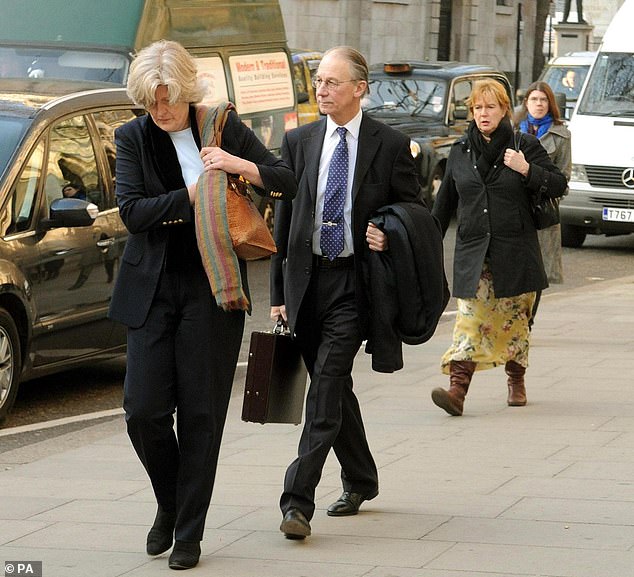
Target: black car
(60, 231)
(426, 101)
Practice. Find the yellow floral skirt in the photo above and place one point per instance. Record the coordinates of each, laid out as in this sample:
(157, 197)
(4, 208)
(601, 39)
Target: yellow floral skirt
(491, 331)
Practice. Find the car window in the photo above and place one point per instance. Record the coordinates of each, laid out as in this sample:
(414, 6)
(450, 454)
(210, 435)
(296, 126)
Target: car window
(72, 164)
(60, 63)
(299, 78)
(12, 131)
(461, 92)
(611, 86)
(568, 80)
(417, 97)
(17, 214)
(106, 123)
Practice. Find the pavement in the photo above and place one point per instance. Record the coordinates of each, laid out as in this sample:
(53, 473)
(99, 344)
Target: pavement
(543, 490)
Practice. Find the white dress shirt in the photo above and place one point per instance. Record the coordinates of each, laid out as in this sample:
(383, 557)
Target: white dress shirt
(331, 139)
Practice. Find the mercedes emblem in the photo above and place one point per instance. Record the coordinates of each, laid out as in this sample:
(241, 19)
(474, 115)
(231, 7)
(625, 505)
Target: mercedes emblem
(627, 177)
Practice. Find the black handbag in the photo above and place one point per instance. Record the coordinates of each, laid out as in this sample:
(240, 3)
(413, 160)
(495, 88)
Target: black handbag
(545, 209)
(275, 383)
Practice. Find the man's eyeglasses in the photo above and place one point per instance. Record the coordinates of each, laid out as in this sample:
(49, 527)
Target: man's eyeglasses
(330, 84)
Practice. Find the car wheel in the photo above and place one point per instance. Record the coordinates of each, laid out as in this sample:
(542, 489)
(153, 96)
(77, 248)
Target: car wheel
(434, 185)
(572, 236)
(10, 363)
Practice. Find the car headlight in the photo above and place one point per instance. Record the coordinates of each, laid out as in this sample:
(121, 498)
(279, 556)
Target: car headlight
(414, 148)
(578, 173)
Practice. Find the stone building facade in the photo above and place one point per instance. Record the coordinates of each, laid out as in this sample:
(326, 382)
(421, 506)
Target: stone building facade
(480, 31)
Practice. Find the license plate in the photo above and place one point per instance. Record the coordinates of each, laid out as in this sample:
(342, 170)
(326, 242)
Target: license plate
(618, 214)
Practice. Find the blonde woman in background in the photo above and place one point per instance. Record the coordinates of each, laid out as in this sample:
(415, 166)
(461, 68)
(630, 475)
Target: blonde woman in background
(498, 270)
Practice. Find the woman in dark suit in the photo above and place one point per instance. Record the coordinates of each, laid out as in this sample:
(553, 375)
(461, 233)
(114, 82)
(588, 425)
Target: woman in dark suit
(490, 180)
(183, 340)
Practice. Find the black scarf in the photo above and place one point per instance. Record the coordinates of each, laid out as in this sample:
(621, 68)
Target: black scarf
(489, 153)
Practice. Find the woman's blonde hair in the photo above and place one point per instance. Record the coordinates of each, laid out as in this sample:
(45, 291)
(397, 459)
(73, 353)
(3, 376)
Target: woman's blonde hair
(489, 89)
(167, 63)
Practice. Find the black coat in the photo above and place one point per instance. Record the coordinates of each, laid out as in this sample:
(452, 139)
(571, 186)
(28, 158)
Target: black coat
(494, 218)
(407, 283)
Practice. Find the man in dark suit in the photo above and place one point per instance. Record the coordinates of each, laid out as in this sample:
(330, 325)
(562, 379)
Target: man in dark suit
(317, 281)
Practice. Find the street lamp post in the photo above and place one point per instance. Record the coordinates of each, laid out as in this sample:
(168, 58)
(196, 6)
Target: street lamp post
(517, 47)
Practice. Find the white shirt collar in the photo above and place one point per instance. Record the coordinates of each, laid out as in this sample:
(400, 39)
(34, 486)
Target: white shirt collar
(353, 126)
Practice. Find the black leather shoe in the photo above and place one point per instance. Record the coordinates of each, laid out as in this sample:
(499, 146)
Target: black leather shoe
(349, 503)
(185, 555)
(295, 525)
(161, 535)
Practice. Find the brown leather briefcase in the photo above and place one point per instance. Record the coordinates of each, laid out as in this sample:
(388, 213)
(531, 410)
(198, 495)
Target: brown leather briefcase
(276, 379)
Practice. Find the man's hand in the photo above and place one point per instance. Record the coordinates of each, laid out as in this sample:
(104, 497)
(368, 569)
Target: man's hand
(277, 312)
(376, 238)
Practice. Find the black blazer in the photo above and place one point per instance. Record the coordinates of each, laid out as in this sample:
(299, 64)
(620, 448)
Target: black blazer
(149, 209)
(384, 174)
(494, 218)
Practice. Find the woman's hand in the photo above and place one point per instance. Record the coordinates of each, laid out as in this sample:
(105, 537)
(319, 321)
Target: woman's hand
(215, 158)
(515, 160)
(376, 238)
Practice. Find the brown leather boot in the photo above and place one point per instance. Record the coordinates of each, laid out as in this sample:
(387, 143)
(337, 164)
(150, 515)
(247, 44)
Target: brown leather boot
(452, 401)
(517, 390)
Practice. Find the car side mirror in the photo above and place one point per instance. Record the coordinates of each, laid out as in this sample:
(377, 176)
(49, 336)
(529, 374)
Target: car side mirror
(65, 212)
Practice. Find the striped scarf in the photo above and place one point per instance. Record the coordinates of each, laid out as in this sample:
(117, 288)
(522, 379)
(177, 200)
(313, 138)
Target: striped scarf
(210, 215)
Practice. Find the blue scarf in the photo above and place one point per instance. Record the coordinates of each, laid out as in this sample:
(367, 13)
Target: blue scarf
(542, 124)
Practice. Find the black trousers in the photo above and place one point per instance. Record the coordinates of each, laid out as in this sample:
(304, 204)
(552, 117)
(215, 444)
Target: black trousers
(181, 361)
(329, 337)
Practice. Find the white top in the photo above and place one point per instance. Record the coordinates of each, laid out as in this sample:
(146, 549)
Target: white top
(188, 155)
(331, 139)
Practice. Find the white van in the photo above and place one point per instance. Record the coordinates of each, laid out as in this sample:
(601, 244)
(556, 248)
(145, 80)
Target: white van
(601, 188)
